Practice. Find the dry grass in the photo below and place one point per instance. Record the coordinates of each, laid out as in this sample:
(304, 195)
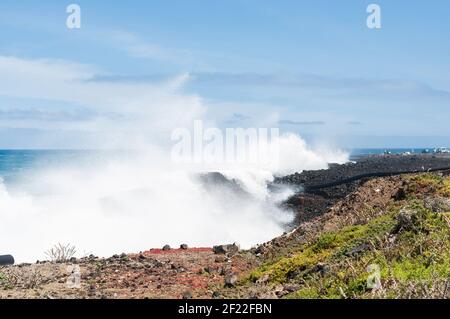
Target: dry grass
(61, 252)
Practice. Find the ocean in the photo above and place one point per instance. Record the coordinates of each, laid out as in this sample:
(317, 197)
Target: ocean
(357, 153)
(17, 163)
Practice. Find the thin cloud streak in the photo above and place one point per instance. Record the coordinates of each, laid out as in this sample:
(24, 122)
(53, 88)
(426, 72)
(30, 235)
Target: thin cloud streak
(301, 123)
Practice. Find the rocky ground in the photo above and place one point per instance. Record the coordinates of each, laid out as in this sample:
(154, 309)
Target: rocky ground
(396, 226)
(174, 273)
(398, 223)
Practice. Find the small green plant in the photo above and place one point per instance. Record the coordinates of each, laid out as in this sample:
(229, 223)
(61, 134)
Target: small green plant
(325, 241)
(445, 191)
(5, 281)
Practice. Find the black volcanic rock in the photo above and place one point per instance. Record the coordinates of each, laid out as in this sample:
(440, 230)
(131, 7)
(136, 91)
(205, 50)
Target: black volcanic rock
(318, 190)
(367, 167)
(217, 182)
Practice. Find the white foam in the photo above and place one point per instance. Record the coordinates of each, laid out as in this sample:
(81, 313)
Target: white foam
(129, 205)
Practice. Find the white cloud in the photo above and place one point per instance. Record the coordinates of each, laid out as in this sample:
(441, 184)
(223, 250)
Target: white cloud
(155, 107)
(136, 47)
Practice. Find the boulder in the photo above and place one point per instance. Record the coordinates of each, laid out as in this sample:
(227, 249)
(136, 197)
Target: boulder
(226, 249)
(6, 260)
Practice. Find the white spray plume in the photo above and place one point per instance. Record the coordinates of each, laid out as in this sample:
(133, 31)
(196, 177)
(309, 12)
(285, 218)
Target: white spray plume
(129, 205)
(139, 201)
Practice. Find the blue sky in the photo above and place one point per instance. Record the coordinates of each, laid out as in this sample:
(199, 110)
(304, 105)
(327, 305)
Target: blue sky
(312, 67)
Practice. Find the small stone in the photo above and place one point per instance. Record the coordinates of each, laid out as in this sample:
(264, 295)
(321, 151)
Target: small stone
(268, 295)
(279, 291)
(437, 204)
(220, 259)
(184, 246)
(405, 220)
(216, 295)
(356, 251)
(187, 295)
(263, 279)
(260, 250)
(210, 269)
(166, 248)
(289, 288)
(400, 194)
(231, 280)
(226, 270)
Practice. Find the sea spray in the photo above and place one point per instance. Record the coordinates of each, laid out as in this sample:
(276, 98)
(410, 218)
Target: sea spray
(129, 204)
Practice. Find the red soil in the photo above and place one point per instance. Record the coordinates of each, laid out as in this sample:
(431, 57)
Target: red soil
(155, 251)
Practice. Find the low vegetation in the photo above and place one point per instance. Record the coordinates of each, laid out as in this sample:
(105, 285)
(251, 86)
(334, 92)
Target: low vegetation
(404, 253)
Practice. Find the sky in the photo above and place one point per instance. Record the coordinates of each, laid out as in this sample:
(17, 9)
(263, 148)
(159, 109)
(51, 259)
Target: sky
(309, 67)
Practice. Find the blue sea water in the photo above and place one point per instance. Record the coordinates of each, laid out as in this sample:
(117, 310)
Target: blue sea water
(355, 154)
(17, 163)
(374, 151)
